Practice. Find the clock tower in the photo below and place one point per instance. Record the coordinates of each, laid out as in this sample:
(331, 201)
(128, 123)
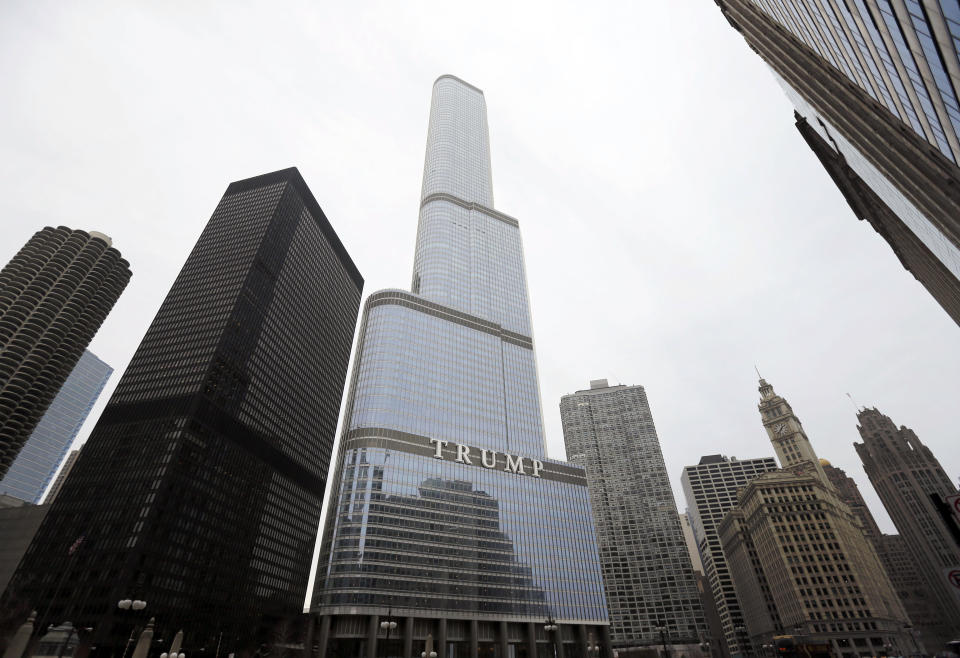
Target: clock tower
(786, 433)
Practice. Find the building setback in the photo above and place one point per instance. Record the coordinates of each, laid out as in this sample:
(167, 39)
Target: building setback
(875, 86)
(800, 561)
(446, 517)
(710, 488)
(41, 456)
(912, 590)
(904, 473)
(54, 295)
(199, 490)
(647, 573)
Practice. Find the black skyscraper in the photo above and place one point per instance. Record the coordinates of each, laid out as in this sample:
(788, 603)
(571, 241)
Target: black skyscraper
(200, 488)
(54, 295)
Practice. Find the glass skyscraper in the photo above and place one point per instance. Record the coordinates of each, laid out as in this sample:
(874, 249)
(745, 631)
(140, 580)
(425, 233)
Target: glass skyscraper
(875, 86)
(446, 516)
(40, 457)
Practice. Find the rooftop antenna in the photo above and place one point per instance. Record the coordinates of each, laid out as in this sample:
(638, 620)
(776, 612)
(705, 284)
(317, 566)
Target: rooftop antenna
(855, 405)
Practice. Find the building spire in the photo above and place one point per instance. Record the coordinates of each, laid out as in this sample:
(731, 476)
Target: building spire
(766, 390)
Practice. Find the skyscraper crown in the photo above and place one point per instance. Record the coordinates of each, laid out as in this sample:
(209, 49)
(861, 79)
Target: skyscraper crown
(458, 144)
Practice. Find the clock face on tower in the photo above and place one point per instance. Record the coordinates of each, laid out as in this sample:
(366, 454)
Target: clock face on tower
(780, 429)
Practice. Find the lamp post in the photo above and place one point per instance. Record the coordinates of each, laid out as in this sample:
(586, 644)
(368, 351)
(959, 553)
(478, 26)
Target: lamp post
(388, 625)
(662, 627)
(135, 605)
(592, 649)
(705, 646)
(552, 631)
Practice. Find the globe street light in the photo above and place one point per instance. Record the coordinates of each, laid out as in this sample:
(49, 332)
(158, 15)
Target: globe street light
(388, 625)
(551, 628)
(592, 649)
(130, 604)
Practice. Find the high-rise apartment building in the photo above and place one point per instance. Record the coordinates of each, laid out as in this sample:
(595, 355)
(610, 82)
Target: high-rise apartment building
(905, 473)
(200, 488)
(54, 295)
(446, 516)
(647, 573)
(40, 457)
(800, 561)
(710, 488)
(875, 85)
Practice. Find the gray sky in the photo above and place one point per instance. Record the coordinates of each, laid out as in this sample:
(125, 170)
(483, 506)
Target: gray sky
(677, 228)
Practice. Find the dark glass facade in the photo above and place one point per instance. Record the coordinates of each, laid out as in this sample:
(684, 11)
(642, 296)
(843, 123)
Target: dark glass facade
(446, 516)
(200, 489)
(40, 458)
(54, 295)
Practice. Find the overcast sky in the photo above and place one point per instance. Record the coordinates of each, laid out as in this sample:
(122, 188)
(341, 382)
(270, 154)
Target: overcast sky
(677, 229)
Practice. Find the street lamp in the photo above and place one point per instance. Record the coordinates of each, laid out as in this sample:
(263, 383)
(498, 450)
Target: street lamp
(130, 604)
(388, 625)
(552, 631)
(592, 649)
(662, 627)
(705, 646)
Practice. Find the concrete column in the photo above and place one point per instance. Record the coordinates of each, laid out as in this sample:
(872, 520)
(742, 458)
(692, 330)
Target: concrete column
(605, 641)
(325, 622)
(582, 638)
(441, 639)
(408, 638)
(558, 636)
(474, 639)
(372, 628)
(308, 641)
(532, 640)
(503, 638)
